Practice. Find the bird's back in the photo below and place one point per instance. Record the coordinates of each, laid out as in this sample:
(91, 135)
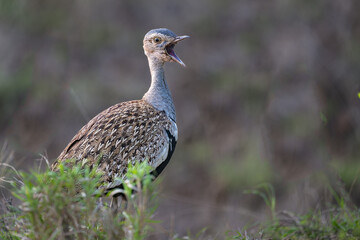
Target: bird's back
(124, 133)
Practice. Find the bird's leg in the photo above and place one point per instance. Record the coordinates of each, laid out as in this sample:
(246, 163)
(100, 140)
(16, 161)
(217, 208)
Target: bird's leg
(125, 204)
(99, 204)
(114, 204)
(121, 201)
(122, 207)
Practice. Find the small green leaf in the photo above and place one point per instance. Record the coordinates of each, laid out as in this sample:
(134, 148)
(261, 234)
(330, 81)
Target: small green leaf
(359, 95)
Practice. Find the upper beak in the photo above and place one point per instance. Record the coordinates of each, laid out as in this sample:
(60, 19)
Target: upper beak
(171, 52)
(179, 38)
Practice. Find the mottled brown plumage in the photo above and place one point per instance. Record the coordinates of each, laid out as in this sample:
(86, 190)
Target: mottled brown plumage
(129, 131)
(140, 130)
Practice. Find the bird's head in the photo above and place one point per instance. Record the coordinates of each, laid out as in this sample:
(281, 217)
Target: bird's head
(159, 45)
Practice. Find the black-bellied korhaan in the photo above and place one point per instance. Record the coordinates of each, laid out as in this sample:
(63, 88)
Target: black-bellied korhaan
(139, 130)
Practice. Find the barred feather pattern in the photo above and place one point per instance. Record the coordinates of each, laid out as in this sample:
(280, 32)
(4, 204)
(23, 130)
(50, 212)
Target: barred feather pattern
(126, 132)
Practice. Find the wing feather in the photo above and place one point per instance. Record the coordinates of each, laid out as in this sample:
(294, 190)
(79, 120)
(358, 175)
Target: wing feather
(127, 132)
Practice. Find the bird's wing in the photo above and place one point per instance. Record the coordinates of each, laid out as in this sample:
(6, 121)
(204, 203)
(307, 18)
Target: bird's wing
(126, 132)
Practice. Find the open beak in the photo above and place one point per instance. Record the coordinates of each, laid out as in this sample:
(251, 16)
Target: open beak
(170, 49)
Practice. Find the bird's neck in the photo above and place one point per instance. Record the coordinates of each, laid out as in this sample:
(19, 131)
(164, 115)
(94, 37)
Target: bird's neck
(159, 94)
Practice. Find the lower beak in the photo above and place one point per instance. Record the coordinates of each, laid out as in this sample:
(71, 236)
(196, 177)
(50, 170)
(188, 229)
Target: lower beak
(171, 52)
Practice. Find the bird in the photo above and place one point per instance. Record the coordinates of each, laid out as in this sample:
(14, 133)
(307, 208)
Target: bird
(132, 131)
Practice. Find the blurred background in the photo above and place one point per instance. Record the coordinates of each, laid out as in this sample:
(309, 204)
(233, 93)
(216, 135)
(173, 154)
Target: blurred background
(269, 95)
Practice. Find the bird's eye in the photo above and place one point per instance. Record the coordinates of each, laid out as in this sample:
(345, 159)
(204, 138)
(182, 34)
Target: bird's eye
(157, 40)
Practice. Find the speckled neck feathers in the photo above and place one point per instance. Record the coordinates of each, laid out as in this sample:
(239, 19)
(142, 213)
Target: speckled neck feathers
(159, 94)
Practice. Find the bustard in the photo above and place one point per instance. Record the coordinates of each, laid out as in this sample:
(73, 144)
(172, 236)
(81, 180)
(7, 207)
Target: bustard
(139, 130)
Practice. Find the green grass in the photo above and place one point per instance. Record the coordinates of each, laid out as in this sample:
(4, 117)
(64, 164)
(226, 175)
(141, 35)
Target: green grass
(337, 221)
(66, 205)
